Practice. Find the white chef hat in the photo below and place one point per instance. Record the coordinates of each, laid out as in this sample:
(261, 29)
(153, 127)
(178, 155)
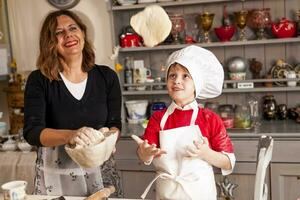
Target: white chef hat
(204, 67)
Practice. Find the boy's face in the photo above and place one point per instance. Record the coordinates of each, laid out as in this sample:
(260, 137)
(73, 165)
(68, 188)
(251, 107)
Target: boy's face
(180, 85)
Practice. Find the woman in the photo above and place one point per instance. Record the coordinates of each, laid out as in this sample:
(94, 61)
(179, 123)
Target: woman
(66, 99)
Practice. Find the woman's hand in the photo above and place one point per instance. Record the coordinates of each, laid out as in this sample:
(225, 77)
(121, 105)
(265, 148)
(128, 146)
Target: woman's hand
(146, 151)
(200, 149)
(85, 136)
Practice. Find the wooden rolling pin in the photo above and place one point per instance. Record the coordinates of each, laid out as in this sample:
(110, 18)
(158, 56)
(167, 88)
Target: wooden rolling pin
(103, 193)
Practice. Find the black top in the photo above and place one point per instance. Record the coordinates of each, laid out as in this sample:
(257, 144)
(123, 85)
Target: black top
(51, 105)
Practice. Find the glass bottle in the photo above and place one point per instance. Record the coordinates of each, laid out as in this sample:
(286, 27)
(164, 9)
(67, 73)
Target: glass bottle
(128, 72)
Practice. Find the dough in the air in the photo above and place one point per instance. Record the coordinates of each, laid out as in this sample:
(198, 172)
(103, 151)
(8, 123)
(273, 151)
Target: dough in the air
(95, 154)
(153, 24)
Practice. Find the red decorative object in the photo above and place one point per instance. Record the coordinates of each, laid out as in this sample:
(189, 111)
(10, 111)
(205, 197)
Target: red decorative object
(284, 29)
(130, 40)
(225, 33)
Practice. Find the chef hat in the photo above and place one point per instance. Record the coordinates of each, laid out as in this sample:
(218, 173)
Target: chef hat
(204, 67)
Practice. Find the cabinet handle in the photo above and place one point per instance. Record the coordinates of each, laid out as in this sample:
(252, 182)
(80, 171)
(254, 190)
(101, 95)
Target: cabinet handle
(298, 177)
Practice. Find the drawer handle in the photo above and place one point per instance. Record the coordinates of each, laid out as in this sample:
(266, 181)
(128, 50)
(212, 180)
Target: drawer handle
(298, 177)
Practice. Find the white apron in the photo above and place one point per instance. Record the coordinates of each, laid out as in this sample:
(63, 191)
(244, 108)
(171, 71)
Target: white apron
(180, 177)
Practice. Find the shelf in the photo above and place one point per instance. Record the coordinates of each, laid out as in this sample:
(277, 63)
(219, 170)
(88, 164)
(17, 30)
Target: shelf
(169, 4)
(225, 90)
(213, 44)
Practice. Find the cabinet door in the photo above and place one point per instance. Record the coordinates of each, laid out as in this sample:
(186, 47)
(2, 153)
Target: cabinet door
(135, 182)
(285, 181)
(244, 176)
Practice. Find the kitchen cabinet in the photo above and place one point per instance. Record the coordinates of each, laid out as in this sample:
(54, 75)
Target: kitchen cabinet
(285, 181)
(265, 51)
(282, 176)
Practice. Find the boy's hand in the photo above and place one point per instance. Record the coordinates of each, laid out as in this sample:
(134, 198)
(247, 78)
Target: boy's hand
(199, 149)
(146, 151)
(150, 150)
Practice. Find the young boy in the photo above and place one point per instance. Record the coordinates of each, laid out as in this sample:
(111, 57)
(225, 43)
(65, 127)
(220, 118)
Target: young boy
(185, 141)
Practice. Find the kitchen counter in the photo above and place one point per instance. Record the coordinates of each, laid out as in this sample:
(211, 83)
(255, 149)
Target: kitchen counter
(42, 197)
(287, 129)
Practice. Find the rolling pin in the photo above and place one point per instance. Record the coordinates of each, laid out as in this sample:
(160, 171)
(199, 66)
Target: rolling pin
(103, 193)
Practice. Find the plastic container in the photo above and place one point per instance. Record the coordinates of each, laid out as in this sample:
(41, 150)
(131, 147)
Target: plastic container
(136, 110)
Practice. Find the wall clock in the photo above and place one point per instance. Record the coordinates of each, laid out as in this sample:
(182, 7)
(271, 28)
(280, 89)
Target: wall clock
(63, 4)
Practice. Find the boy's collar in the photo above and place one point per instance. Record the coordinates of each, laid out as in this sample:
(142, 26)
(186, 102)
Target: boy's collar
(193, 105)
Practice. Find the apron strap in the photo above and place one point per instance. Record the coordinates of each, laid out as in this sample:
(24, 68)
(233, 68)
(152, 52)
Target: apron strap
(166, 115)
(177, 179)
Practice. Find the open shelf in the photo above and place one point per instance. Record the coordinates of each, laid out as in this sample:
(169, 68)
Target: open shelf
(150, 87)
(213, 44)
(168, 4)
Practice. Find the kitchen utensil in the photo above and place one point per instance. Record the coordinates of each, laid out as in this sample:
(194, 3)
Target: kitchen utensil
(102, 194)
(137, 139)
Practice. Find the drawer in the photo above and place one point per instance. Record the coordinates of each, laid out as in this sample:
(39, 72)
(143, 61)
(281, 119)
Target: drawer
(126, 149)
(286, 151)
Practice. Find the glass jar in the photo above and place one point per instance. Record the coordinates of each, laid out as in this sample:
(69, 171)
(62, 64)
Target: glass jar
(242, 116)
(213, 106)
(227, 115)
(269, 107)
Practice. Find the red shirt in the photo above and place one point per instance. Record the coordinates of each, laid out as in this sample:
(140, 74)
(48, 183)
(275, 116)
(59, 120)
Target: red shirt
(209, 123)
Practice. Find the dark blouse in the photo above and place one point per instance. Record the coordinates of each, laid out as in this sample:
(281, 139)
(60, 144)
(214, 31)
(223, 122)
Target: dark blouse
(51, 105)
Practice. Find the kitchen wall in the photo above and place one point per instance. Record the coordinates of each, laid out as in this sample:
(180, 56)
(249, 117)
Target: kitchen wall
(25, 18)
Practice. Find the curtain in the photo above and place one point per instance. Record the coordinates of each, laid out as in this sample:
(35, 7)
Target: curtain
(25, 20)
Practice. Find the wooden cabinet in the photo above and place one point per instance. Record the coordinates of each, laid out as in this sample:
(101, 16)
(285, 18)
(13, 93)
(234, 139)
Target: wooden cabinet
(285, 181)
(282, 176)
(136, 182)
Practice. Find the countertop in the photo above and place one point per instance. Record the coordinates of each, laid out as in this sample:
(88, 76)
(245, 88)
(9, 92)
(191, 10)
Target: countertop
(275, 128)
(42, 197)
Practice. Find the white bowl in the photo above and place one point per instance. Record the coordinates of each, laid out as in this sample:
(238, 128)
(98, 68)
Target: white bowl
(9, 145)
(24, 146)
